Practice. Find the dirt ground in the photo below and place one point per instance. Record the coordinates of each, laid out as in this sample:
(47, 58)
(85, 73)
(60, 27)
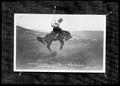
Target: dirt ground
(83, 52)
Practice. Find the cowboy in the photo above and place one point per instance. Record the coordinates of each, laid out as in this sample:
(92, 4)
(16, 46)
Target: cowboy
(56, 26)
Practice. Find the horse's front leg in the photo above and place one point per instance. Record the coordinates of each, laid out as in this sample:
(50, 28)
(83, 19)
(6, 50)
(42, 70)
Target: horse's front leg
(49, 48)
(48, 45)
(62, 43)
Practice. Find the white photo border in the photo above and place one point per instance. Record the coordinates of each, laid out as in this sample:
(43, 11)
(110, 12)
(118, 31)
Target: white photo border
(68, 71)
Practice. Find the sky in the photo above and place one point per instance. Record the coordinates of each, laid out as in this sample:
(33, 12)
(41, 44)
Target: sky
(71, 22)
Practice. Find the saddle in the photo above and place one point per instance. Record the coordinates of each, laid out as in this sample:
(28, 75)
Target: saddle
(56, 34)
(64, 34)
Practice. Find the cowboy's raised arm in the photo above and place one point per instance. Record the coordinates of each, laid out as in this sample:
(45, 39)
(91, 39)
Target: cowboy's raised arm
(52, 23)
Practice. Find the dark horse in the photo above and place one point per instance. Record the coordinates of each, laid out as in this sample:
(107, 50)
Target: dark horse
(47, 39)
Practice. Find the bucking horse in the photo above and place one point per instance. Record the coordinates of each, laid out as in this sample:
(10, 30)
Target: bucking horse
(50, 37)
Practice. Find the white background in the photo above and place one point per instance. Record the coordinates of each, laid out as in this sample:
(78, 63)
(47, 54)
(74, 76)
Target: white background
(42, 22)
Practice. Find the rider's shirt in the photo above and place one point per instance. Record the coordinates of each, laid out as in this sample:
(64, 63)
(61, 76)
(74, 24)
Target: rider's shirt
(55, 23)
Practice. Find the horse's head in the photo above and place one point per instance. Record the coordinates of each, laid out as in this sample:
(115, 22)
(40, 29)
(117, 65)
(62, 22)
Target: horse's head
(67, 35)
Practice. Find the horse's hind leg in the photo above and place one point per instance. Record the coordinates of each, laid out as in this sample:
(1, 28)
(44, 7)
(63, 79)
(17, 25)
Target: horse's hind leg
(62, 43)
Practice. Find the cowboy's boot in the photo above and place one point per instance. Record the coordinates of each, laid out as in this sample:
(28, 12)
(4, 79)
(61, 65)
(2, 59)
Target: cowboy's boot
(56, 35)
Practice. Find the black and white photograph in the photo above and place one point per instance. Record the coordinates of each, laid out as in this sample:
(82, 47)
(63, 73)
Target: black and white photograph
(59, 43)
(53, 42)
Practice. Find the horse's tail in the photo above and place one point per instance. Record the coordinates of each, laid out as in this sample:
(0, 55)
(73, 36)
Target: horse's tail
(41, 39)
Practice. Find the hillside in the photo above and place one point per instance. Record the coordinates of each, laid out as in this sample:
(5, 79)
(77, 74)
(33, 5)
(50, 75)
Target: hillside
(27, 44)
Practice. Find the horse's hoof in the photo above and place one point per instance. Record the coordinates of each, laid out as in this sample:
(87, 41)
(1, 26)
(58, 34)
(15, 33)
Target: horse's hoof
(53, 53)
